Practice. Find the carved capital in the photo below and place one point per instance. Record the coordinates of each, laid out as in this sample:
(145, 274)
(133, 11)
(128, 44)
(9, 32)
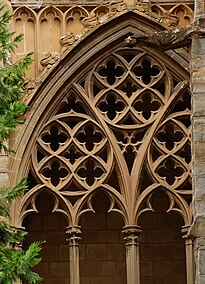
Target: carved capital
(131, 235)
(186, 234)
(18, 244)
(74, 235)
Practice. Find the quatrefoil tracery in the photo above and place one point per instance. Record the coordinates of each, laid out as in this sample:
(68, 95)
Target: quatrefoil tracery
(140, 83)
(111, 72)
(54, 137)
(146, 71)
(64, 148)
(55, 172)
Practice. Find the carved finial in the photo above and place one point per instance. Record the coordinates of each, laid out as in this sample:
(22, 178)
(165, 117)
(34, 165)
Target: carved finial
(144, 6)
(116, 7)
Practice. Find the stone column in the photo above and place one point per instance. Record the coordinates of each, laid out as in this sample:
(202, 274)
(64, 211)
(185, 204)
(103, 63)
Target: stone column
(74, 234)
(189, 254)
(131, 237)
(198, 142)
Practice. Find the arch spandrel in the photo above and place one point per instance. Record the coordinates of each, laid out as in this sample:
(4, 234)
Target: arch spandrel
(84, 74)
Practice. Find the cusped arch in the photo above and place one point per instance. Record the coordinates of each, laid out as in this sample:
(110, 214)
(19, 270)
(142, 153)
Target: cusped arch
(74, 17)
(57, 12)
(29, 11)
(176, 204)
(28, 204)
(117, 204)
(51, 25)
(25, 22)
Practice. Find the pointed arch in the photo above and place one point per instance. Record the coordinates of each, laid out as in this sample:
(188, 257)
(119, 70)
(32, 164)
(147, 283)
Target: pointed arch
(51, 26)
(81, 76)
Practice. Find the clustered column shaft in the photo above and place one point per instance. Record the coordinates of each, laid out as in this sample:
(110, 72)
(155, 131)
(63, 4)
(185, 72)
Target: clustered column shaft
(131, 237)
(74, 236)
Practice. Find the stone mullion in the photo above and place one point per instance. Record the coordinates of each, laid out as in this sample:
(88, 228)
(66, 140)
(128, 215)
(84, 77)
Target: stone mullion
(189, 260)
(131, 238)
(74, 236)
(189, 254)
(38, 44)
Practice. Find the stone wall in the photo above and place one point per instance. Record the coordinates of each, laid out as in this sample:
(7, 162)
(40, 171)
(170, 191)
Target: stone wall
(162, 249)
(102, 250)
(49, 227)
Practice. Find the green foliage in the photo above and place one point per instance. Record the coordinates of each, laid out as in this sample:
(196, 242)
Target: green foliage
(12, 80)
(15, 264)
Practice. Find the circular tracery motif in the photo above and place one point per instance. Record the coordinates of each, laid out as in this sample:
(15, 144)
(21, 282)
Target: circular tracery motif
(147, 111)
(128, 88)
(66, 148)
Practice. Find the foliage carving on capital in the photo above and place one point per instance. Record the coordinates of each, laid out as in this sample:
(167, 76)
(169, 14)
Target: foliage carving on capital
(74, 235)
(131, 235)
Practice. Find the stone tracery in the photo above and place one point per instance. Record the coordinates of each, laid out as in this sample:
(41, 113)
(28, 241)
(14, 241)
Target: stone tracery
(146, 108)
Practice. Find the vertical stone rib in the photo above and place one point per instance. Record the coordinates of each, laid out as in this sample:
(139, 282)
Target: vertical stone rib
(189, 254)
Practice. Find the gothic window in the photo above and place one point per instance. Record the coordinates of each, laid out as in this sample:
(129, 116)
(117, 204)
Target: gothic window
(122, 128)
